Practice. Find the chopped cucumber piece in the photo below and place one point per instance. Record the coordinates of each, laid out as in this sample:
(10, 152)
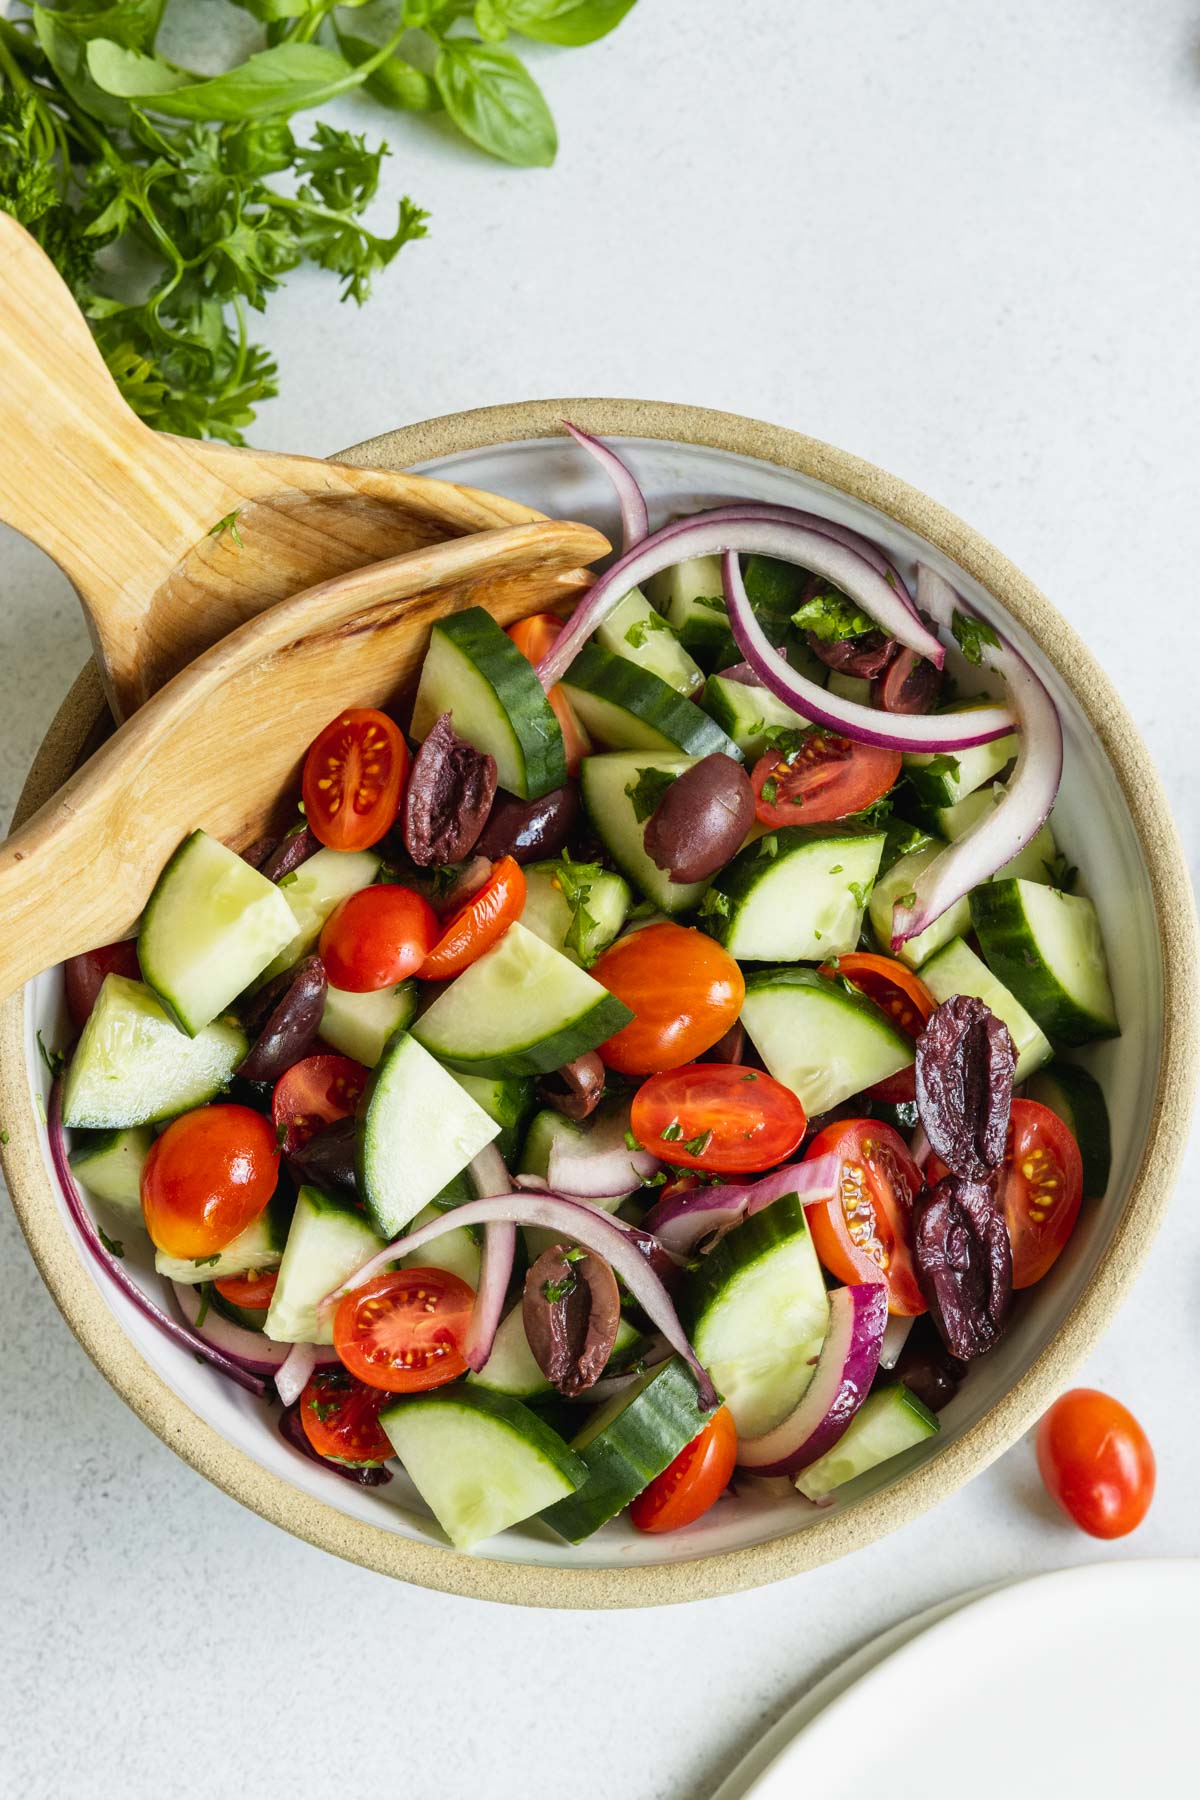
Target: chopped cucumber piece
(1036, 862)
(942, 778)
(418, 1129)
(747, 714)
(329, 1238)
(626, 708)
(1076, 1096)
(888, 1422)
(957, 970)
(584, 924)
(133, 1066)
(509, 1099)
(475, 672)
(759, 1315)
(642, 636)
(458, 1252)
(210, 927)
(359, 1025)
(611, 787)
(1046, 947)
(480, 1461)
(797, 894)
(692, 597)
(849, 687)
(893, 886)
(818, 1038)
(312, 891)
(109, 1164)
(550, 1130)
(520, 1009)
(259, 1247)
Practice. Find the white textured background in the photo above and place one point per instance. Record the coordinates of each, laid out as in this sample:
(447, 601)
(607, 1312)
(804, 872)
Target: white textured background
(959, 239)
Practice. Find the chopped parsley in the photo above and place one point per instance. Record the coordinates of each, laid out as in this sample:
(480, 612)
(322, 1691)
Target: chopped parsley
(672, 1133)
(714, 602)
(112, 1245)
(228, 524)
(3, 1137)
(832, 617)
(558, 1290)
(1063, 875)
(716, 905)
(873, 816)
(971, 633)
(647, 791)
(631, 1143)
(909, 899)
(768, 846)
(205, 1299)
(750, 1075)
(206, 1262)
(838, 869)
(698, 1145)
(640, 630)
(790, 741)
(53, 1059)
(943, 764)
(770, 790)
(575, 881)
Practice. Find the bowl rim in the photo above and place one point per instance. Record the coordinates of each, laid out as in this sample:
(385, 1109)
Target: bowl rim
(533, 1584)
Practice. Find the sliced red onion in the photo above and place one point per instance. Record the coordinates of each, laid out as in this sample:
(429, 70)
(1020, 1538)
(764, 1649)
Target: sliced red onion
(575, 1224)
(490, 1177)
(600, 1164)
(635, 520)
(1003, 831)
(86, 1227)
(733, 531)
(865, 547)
(841, 1381)
(866, 724)
(292, 1375)
(260, 1355)
(681, 1222)
(895, 1336)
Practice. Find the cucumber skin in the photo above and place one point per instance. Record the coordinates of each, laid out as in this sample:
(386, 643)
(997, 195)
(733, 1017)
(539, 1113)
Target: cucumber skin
(505, 1410)
(1078, 1099)
(739, 878)
(1000, 925)
(753, 1239)
(475, 635)
(612, 679)
(598, 1024)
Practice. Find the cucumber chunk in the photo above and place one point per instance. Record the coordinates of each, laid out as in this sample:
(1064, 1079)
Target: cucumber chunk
(133, 1066)
(475, 672)
(957, 970)
(795, 895)
(759, 1315)
(1036, 862)
(691, 595)
(747, 714)
(626, 708)
(584, 925)
(417, 1130)
(941, 779)
(626, 1443)
(899, 879)
(458, 1252)
(819, 1039)
(606, 783)
(480, 1461)
(329, 1238)
(1046, 947)
(109, 1164)
(849, 687)
(312, 891)
(888, 1422)
(210, 927)
(521, 1009)
(1078, 1099)
(359, 1025)
(259, 1246)
(508, 1099)
(634, 630)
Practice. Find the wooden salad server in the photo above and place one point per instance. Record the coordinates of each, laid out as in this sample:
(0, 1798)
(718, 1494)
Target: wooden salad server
(221, 745)
(169, 542)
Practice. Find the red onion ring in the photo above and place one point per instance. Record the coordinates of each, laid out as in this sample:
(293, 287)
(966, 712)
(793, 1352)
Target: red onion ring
(681, 1222)
(841, 1381)
(635, 520)
(292, 1375)
(490, 1177)
(870, 552)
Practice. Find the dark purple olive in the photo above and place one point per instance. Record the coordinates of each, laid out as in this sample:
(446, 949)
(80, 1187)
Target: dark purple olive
(729, 1049)
(963, 1260)
(909, 684)
(701, 820)
(288, 1016)
(294, 849)
(865, 656)
(450, 793)
(965, 1066)
(528, 830)
(571, 1310)
(327, 1159)
(577, 1088)
(927, 1368)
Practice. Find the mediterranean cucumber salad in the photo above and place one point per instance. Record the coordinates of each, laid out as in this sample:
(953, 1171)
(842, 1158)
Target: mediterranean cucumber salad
(654, 1059)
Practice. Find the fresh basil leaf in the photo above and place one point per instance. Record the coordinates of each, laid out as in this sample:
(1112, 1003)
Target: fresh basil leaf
(971, 634)
(567, 22)
(490, 21)
(832, 617)
(494, 100)
(395, 82)
(130, 75)
(287, 79)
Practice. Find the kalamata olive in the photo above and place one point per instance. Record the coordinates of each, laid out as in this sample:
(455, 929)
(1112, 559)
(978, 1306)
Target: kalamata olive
(528, 830)
(571, 1310)
(965, 1066)
(294, 849)
(450, 793)
(927, 1368)
(701, 820)
(327, 1158)
(865, 656)
(909, 684)
(963, 1260)
(288, 1015)
(576, 1089)
(729, 1049)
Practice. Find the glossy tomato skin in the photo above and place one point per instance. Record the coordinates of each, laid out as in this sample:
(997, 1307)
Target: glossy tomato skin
(377, 937)
(403, 1332)
(902, 996)
(252, 1291)
(718, 1116)
(354, 775)
(684, 990)
(865, 1231)
(314, 1092)
(693, 1482)
(340, 1417)
(1096, 1462)
(84, 975)
(209, 1175)
(479, 924)
(825, 778)
(533, 637)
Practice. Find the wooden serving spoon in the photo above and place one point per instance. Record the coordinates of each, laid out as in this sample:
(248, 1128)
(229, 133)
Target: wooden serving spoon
(171, 543)
(224, 740)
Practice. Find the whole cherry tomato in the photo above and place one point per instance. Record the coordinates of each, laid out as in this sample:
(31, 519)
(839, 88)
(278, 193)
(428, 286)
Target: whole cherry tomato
(683, 989)
(377, 937)
(208, 1176)
(1096, 1461)
(354, 775)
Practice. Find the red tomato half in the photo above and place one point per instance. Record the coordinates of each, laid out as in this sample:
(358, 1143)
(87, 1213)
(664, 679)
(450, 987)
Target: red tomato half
(377, 937)
(315, 1092)
(479, 924)
(825, 778)
(683, 989)
(206, 1178)
(84, 975)
(1096, 1461)
(690, 1485)
(533, 637)
(902, 996)
(253, 1290)
(717, 1116)
(340, 1417)
(403, 1332)
(354, 775)
(865, 1231)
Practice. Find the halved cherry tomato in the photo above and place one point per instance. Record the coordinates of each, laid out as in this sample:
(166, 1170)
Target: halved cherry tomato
(377, 937)
(206, 1178)
(403, 1332)
(479, 924)
(315, 1092)
(693, 1482)
(1096, 1461)
(906, 1001)
(684, 990)
(865, 1231)
(340, 1417)
(253, 1290)
(354, 775)
(717, 1116)
(84, 975)
(825, 777)
(533, 637)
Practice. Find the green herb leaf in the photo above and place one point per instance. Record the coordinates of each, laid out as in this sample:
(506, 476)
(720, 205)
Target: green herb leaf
(567, 22)
(53, 1059)
(860, 892)
(770, 790)
(575, 881)
(1062, 874)
(205, 1302)
(640, 630)
(832, 617)
(943, 764)
(698, 1145)
(206, 1262)
(971, 633)
(647, 791)
(558, 1290)
(790, 741)
(228, 524)
(671, 1133)
(286, 79)
(715, 905)
(494, 100)
(631, 1142)
(112, 1245)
